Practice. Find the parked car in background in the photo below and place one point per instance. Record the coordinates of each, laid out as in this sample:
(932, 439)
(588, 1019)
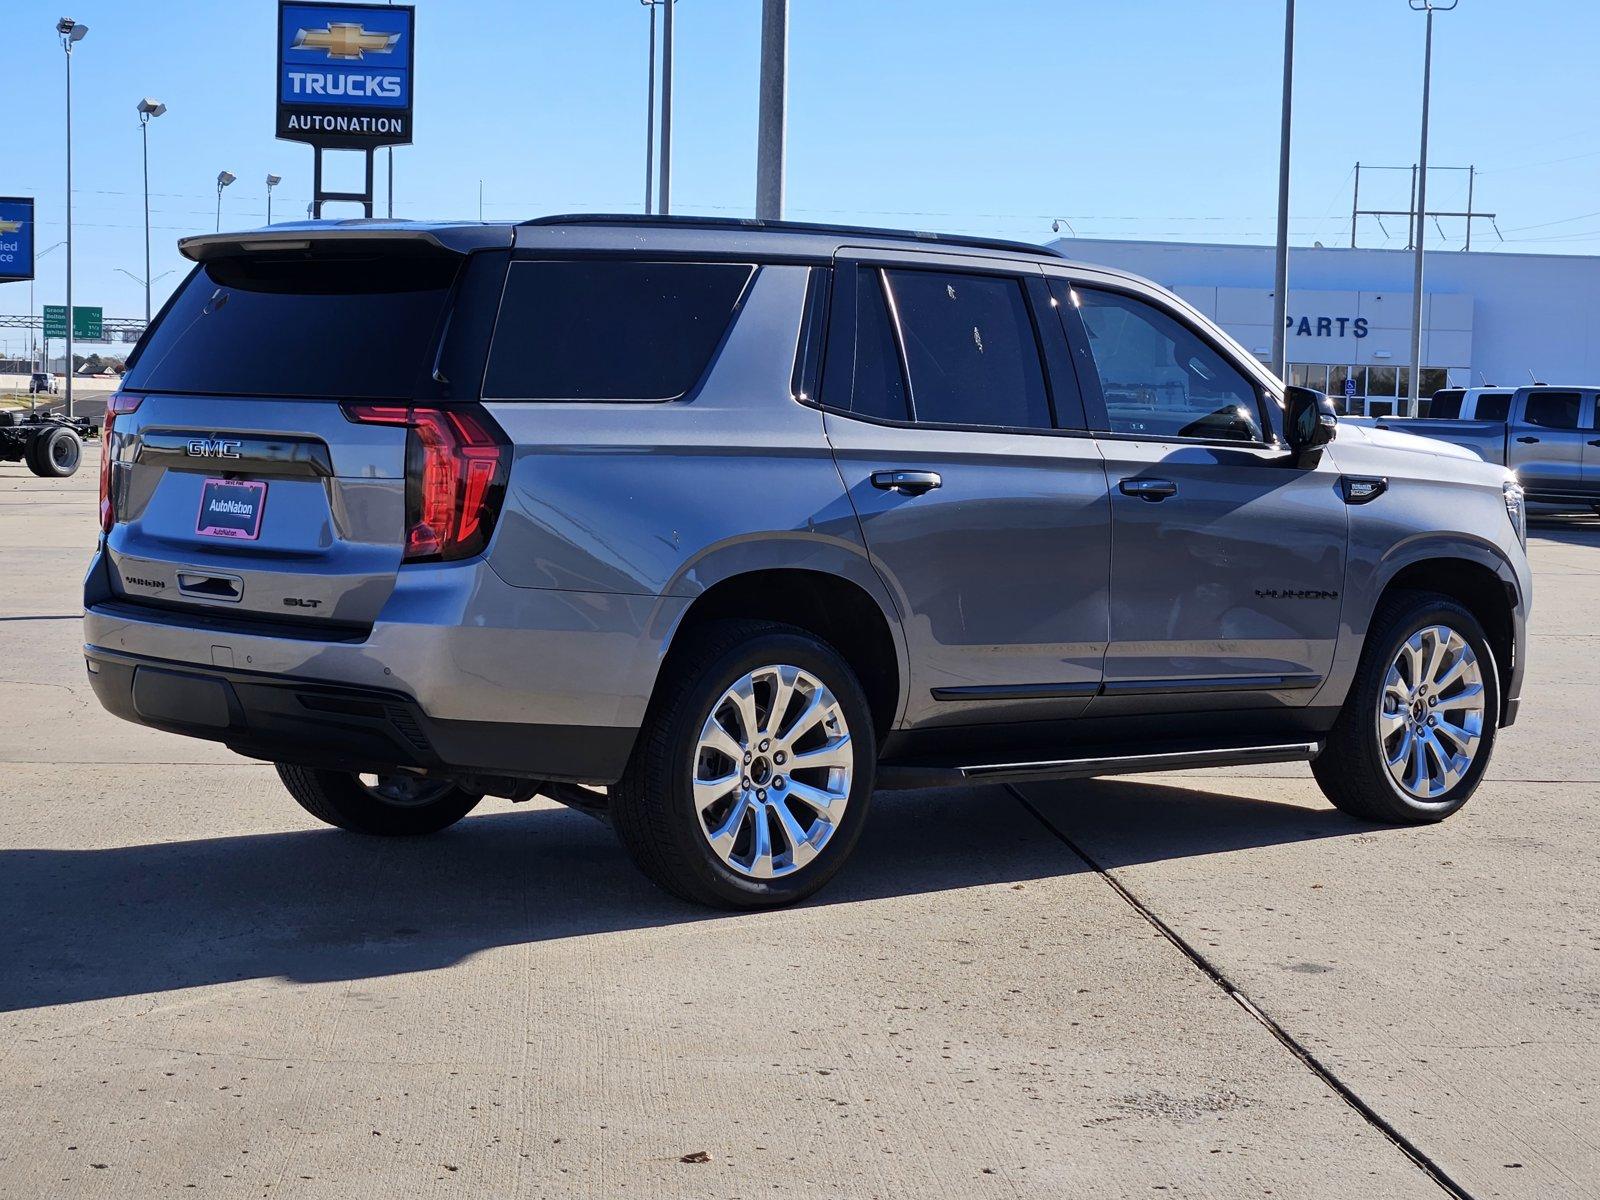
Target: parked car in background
(1550, 436)
(42, 383)
(735, 522)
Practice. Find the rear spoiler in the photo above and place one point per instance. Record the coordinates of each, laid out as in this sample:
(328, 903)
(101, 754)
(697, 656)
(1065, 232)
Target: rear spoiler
(302, 235)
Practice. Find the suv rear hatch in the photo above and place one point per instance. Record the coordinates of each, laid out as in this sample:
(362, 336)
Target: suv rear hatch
(299, 423)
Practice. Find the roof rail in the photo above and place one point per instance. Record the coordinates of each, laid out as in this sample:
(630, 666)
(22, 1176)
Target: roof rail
(694, 222)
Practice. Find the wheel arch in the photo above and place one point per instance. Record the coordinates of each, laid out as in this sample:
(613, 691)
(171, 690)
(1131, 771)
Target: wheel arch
(1478, 584)
(839, 610)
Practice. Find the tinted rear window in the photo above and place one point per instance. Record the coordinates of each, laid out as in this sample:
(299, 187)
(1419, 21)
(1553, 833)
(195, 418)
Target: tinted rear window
(1446, 405)
(1493, 406)
(598, 329)
(337, 327)
(970, 350)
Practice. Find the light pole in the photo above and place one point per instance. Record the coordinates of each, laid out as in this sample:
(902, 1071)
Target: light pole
(650, 113)
(272, 182)
(71, 33)
(1429, 7)
(1280, 274)
(224, 178)
(147, 108)
(774, 106)
(666, 109)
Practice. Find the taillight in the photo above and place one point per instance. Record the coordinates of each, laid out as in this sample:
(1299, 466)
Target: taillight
(117, 405)
(456, 465)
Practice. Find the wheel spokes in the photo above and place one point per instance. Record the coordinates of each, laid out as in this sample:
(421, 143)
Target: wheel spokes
(1430, 712)
(758, 818)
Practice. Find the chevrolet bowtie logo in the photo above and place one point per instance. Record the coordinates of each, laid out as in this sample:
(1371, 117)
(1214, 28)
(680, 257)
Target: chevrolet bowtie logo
(10, 226)
(345, 39)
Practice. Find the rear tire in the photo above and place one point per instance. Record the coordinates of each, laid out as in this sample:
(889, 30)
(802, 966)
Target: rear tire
(389, 806)
(55, 453)
(1372, 765)
(721, 808)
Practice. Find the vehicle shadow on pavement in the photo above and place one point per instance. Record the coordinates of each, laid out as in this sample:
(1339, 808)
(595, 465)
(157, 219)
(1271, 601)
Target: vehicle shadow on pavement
(319, 905)
(1125, 822)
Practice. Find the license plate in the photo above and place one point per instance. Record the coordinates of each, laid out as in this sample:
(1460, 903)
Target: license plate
(231, 508)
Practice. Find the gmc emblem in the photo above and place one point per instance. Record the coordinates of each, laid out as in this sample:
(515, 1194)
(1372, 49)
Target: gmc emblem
(213, 448)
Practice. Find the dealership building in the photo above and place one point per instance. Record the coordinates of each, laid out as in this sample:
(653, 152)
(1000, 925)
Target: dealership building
(1488, 317)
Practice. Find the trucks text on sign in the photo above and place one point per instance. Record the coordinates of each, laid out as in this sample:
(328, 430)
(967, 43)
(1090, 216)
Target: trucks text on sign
(344, 74)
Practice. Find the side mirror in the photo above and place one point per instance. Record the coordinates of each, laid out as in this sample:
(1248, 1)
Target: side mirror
(1309, 419)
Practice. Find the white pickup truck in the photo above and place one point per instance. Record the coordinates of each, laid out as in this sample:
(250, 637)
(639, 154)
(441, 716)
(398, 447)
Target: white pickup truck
(1550, 436)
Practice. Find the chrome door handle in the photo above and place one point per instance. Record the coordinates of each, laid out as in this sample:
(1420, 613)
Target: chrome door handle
(911, 483)
(1527, 440)
(1152, 490)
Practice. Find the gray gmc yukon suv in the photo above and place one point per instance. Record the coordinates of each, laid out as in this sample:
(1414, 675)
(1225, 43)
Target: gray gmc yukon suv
(713, 527)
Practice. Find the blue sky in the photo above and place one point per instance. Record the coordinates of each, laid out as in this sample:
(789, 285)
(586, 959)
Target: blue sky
(1148, 118)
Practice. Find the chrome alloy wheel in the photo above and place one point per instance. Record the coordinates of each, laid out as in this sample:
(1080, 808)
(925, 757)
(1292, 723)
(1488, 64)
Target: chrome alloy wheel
(1430, 715)
(772, 771)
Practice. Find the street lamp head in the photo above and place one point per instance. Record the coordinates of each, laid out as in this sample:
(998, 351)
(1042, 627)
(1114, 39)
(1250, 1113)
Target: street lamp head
(1432, 5)
(224, 178)
(149, 107)
(273, 181)
(70, 30)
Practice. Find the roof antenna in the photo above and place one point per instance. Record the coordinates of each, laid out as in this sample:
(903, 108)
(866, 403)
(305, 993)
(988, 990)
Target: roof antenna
(1537, 382)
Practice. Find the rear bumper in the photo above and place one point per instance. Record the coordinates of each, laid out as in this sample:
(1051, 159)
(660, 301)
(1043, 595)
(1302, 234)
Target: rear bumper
(313, 723)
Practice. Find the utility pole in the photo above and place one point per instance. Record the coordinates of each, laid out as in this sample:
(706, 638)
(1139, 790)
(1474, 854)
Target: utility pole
(666, 109)
(650, 116)
(774, 109)
(1280, 275)
(1429, 7)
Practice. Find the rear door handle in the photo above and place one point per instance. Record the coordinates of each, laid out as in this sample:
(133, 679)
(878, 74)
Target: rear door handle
(1594, 441)
(910, 483)
(1527, 440)
(1152, 490)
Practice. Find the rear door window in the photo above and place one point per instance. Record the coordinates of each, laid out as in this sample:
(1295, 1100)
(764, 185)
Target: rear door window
(341, 325)
(878, 386)
(970, 349)
(602, 329)
(1554, 410)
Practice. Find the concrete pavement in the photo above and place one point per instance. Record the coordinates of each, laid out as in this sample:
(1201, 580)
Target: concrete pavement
(201, 990)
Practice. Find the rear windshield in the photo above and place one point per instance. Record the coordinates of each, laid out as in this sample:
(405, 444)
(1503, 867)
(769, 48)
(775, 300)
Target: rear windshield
(1493, 406)
(347, 326)
(600, 329)
(1446, 404)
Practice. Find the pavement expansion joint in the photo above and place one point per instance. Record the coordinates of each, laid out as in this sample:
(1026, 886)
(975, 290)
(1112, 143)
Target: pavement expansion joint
(1404, 1144)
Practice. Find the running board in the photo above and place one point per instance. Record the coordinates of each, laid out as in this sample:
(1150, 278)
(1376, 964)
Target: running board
(900, 776)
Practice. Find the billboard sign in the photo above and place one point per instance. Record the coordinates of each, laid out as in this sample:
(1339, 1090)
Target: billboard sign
(16, 238)
(344, 74)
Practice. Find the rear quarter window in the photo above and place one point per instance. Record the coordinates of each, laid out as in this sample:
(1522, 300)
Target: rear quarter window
(600, 329)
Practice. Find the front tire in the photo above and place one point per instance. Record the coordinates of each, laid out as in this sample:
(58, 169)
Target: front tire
(749, 785)
(1419, 725)
(398, 805)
